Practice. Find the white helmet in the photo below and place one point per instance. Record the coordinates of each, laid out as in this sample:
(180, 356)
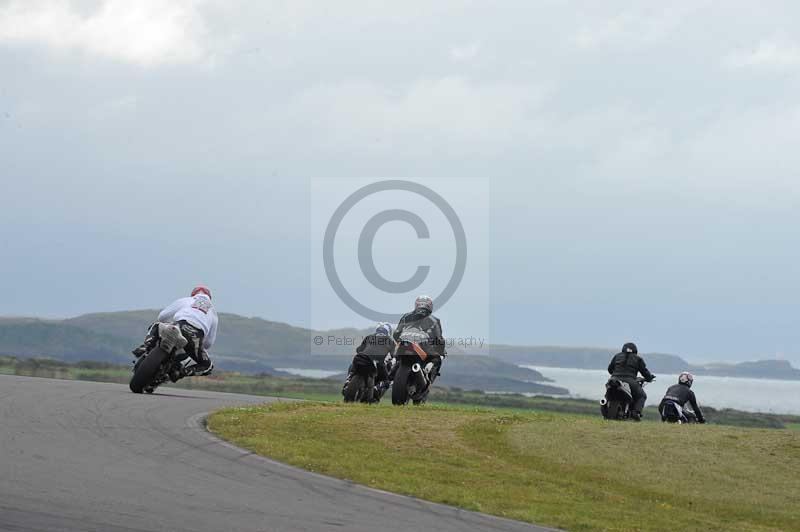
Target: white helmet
(423, 302)
(383, 329)
(686, 378)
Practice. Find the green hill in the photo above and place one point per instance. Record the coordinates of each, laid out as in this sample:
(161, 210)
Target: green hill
(58, 339)
(256, 345)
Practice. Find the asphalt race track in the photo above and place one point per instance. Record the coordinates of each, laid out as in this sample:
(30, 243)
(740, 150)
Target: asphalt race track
(84, 456)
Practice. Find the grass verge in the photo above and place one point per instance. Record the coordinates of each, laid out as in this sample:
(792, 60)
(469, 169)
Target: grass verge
(560, 470)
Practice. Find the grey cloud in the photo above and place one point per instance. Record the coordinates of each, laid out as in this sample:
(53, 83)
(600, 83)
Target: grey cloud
(635, 156)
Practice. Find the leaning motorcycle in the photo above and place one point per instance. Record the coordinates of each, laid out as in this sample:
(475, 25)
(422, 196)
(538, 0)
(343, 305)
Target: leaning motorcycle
(412, 378)
(672, 412)
(618, 399)
(360, 385)
(153, 368)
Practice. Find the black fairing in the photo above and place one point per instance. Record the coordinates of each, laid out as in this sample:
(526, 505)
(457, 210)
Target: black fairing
(364, 365)
(618, 389)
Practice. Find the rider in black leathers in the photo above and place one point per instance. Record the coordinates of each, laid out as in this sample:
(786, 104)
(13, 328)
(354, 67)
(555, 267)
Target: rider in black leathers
(422, 319)
(681, 394)
(379, 347)
(626, 366)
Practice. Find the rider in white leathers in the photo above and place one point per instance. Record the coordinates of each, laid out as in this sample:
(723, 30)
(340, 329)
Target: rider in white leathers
(198, 322)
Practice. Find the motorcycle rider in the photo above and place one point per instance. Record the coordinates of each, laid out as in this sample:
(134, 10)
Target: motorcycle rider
(625, 366)
(680, 394)
(198, 321)
(421, 319)
(375, 353)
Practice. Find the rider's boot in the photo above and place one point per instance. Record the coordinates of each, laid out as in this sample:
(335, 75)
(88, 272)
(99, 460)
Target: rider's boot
(179, 372)
(175, 374)
(380, 389)
(429, 372)
(347, 381)
(182, 368)
(636, 416)
(148, 344)
(422, 397)
(139, 351)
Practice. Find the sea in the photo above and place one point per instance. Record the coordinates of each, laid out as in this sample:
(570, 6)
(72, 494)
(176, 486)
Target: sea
(751, 395)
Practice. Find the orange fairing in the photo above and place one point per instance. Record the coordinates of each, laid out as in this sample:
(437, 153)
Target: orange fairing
(421, 352)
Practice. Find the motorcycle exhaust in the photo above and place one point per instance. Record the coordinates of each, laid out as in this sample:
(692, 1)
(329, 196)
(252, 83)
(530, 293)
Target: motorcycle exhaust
(417, 369)
(603, 401)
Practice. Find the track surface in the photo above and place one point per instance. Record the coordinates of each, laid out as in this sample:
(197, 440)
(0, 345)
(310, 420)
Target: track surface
(83, 456)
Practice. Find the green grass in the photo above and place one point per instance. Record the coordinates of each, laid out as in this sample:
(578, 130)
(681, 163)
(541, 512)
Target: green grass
(561, 470)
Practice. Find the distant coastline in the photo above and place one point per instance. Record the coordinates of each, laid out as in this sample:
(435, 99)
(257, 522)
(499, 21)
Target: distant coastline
(598, 358)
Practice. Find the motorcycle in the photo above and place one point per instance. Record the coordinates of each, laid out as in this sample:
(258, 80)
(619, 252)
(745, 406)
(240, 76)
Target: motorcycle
(155, 367)
(412, 376)
(618, 399)
(672, 412)
(360, 385)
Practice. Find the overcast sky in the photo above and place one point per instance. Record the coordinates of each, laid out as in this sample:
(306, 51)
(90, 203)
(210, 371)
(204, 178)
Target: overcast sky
(643, 159)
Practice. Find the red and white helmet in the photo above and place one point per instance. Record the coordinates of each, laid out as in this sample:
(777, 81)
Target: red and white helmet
(686, 378)
(200, 289)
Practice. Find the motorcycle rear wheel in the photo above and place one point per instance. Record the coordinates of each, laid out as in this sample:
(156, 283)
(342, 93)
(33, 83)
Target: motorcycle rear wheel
(614, 410)
(369, 390)
(147, 370)
(351, 388)
(359, 388)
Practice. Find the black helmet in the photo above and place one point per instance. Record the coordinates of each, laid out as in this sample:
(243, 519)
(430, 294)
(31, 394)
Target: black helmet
(630, 347)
